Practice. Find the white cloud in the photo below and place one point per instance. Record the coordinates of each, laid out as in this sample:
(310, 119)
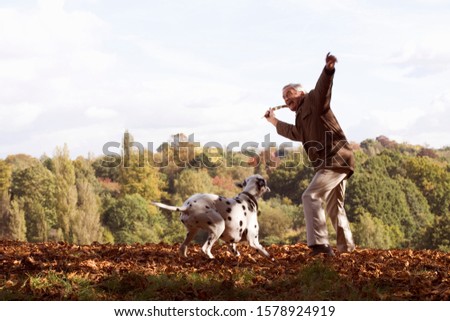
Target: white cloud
(424, 55)
(18, 117)
(100, 113)
(428, 125)
(394, 119)
(82, 72)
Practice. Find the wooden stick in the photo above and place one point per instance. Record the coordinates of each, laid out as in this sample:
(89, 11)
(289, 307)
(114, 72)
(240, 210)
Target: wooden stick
(276, 108)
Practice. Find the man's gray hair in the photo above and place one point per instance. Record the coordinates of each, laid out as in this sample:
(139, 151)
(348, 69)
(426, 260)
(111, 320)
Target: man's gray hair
(297, 87)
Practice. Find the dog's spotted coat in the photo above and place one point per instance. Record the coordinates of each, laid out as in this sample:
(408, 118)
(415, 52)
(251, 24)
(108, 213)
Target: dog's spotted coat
(230, 219)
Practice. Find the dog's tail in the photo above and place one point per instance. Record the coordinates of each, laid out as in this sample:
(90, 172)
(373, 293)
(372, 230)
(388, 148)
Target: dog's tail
(170, 208)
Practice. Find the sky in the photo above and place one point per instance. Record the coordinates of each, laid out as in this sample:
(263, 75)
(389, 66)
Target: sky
(81, 72)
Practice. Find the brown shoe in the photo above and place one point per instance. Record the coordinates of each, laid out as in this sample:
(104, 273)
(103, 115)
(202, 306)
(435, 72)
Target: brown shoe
(321, 249)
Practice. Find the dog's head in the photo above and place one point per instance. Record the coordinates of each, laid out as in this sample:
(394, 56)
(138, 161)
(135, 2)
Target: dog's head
(255, 185)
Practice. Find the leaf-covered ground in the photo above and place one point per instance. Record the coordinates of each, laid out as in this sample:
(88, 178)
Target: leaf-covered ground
(61, 271)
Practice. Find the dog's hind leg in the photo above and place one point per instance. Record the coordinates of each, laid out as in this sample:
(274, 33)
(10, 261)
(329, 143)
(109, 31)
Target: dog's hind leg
(189, 237)
(216, 226)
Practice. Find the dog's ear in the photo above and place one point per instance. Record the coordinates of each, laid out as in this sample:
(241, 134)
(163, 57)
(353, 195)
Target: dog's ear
(241, 185)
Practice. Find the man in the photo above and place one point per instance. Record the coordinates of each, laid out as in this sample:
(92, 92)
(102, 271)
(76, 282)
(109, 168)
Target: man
(331, 155)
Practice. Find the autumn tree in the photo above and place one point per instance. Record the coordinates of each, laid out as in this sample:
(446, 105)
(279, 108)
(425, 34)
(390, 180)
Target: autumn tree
(66, 192)
(33, 192)
(371, 147)
(129, 220)
(433, 180)
(192, 181)
(107, 167)
(141, 179)
(438, 235)
(17, 229)
(21, 161)
(86, 226)
(290, 180)
(371, 232)
(280, 221)
(273, 225)
(5, 183)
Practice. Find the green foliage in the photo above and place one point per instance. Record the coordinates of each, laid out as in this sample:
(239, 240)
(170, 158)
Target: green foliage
(438, 235)
(399, 195)
(5, 176)
(141, 178)
(86, 226)
(384, 188)
(129, 221)
(273, 224)
(379, 195)
(17, 229)
(281, 221)
(192, 181)
(66, 193)
(21, 161)
(371, 232)
(420, 218)
(5, 212)
(12, 219)
(433, 180)
(107, 167)
(371, 147)
(290, 180)
(34, 190)
(173, 231)
(125, 212)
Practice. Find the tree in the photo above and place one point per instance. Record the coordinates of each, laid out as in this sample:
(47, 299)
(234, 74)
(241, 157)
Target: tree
(107, 167)
(21, 161)
(192, 181)
(130, 222)
(66, 192)
(433, 180)
(17, 229)
(273, 225)
(5, 177)
(33, 191)
(371, 147)
(438, 236)
(372, 232)
(421, 219)
(86, 226)
(281, 221)
(144, 180)
(290, 180)
(5, 182)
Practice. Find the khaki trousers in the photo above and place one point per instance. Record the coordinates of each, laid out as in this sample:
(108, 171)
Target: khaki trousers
(327, 188)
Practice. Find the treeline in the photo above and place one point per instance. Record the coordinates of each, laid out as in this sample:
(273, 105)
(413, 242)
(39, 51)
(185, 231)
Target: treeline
(399, 196)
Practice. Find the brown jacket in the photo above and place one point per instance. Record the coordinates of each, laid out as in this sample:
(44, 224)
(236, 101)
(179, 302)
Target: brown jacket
(319, 131)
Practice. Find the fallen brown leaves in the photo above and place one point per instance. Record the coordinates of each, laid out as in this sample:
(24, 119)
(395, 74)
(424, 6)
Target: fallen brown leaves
(122, 272)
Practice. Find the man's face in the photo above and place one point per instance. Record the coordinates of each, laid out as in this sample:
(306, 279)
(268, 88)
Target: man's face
(292, 98)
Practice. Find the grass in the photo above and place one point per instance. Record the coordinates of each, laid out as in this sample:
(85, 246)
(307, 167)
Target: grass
(156, 272)
(315, 281)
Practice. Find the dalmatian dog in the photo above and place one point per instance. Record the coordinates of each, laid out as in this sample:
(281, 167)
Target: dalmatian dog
(230, 219)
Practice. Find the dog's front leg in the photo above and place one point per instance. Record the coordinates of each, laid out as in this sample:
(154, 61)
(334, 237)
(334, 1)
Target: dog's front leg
(252, 238)
(234, 249)
(261, 249)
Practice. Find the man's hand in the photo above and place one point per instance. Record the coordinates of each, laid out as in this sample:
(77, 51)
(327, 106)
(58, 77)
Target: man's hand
(270, 116)
(330, 60)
